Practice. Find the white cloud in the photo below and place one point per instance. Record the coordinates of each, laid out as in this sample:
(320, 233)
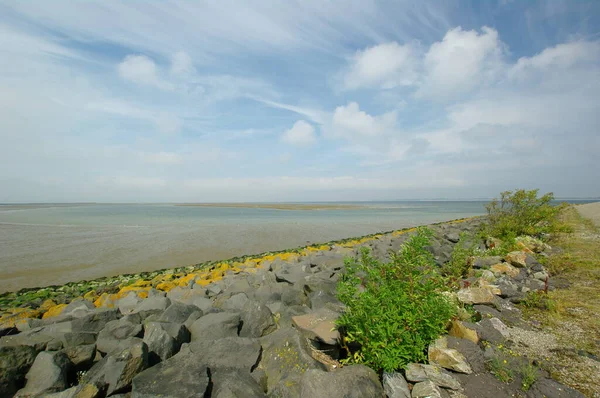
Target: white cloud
(462, 61)
(301, 134)
(350, 122)
(383, 66)
(142, 70)
(166, 123)
(161, 158)
(559, 57)
(182, 64)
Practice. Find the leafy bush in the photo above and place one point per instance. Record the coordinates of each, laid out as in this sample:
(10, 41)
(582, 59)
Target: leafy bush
(393, 310)
(461, 259)
(522, 213)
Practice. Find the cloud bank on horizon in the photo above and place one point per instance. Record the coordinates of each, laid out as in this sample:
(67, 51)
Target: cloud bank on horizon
(297, 100)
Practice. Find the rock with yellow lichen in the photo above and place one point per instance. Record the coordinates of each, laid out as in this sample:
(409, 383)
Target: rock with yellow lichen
(53, 311)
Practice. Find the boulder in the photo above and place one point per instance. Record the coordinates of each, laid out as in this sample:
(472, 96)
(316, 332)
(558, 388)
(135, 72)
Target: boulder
(161, 345)
(180, 376)
(426, 389)
(460, 330)
(517, 258)
(471, 351)
(78, 338)
(81, 391)
(178, 313)
(114, 334)
(152, 304)
(485, 262)
(231, 352)
(14, 365)
(505, 269)
(257, 319)
(234, 383)
(417, 372)
(395, 386)
(129, 303)
(355, 381)
(82, 356)
(48, 374)
(448, 358)
(78, 308)
(319, 325)
(286, 355)
(95, 321)
(116, 371)
(215, 326)
(552, 389)
(476, 295)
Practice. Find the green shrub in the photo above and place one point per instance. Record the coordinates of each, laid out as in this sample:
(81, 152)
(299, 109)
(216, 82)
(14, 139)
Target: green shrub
(501, 369)
(521, 212)
(461, 260)
(529, 374)
(393, 310)
(539, 300)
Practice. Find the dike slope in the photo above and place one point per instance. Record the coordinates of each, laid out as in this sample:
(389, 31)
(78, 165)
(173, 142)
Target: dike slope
(261, 327)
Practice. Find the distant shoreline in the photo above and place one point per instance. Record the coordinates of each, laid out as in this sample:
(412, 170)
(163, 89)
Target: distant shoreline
(277, 206)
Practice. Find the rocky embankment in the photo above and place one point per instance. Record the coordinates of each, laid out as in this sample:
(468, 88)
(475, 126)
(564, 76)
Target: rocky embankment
(266, 327)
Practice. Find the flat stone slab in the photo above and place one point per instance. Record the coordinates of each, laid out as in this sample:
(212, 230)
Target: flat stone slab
(319, 325)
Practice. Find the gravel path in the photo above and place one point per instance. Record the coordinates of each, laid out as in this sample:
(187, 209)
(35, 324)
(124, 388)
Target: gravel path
(591, 211)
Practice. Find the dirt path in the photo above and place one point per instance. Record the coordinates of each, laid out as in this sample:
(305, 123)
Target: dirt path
(590, 211)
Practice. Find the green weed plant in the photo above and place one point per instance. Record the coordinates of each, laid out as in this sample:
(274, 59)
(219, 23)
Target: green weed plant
(393, 310)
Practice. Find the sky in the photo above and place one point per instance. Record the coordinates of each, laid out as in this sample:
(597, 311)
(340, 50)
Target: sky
(312, 100)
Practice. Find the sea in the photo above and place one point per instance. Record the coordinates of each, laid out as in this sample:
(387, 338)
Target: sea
(52, 244)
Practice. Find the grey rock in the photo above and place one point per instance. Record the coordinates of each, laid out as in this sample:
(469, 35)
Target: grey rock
(470, 351)
(293, 296)
(35, 338)
(552, 389)
(180, 376)
(215, 326)
(78, 308)
(203, 303)
(177, 313)
(129, 303)
(47, 374)
(116, 371)
(232, 383)
(153, 304)
(395, 386)
(485, 262)
(14, 365)
(487, 331)
(426, 389)
(95, 321)
(81, 356)
(214, 289)
(257, 319)
(286, 356)
(452, 236)
(319, 326)
(114, 333)
(78, 338)
(268, 293)
(356, 381)
(231, 352)
(417, 372)
(161, 345)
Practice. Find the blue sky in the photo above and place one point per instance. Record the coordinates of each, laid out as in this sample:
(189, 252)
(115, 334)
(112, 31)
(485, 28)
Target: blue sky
(297, 100)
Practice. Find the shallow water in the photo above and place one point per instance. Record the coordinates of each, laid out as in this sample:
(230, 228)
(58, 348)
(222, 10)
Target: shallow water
(52, 245)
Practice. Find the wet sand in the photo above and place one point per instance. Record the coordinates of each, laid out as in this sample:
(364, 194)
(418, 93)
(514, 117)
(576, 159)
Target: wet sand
(278, 206)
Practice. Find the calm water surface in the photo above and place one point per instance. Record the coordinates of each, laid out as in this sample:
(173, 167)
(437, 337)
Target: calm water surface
(56, 244)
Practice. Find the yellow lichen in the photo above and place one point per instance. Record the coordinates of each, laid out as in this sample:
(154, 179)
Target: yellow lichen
(166, 286)
(46, 305)
(55, 310)
(17, 315)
